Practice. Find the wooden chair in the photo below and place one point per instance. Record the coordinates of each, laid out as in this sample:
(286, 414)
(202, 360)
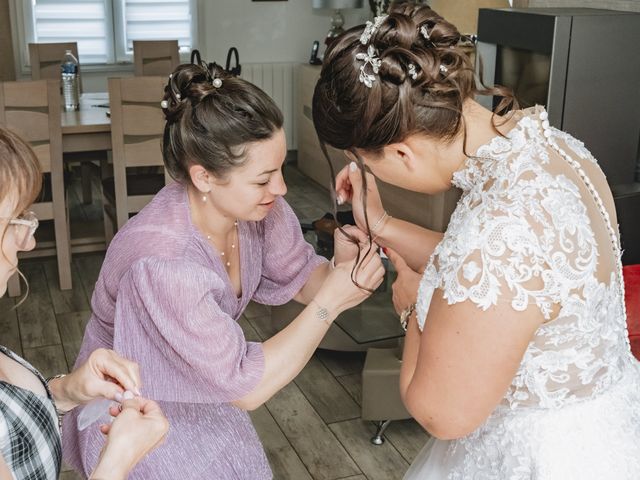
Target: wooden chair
(45, 63)
(46, 57)
(155, 57)
(137, 125)
(32, 110)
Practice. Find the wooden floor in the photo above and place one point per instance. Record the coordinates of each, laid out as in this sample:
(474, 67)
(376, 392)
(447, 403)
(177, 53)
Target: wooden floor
(310, 430)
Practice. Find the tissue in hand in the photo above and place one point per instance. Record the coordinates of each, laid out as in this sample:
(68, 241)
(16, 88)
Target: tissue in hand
(93, 411)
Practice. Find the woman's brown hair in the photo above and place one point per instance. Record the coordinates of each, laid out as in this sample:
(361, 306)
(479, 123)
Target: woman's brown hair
(211, 117)
(422, 81)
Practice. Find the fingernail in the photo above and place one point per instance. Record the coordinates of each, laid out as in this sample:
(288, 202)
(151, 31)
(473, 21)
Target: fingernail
(137, 392)
(118, 397)
(128, 395)
(353, 167)
(339, 200)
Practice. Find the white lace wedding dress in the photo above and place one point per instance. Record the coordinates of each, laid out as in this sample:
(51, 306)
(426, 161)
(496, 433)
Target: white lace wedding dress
(531, 229)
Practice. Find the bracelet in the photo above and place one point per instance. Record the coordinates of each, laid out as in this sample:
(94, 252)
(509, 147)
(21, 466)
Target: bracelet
(405, 315)
(59, 413)
(322, 313)
(380, 220)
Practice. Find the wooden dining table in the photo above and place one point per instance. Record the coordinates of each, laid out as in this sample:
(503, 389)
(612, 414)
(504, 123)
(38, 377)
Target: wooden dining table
(87, 129)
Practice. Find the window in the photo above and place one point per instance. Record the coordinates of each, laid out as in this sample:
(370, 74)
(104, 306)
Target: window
(105, 29)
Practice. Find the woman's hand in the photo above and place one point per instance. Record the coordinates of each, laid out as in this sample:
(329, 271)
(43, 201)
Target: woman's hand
(339, 293)
(104, 374)
(405, 288)
(349, 189)
(345, 249)
(138, 428)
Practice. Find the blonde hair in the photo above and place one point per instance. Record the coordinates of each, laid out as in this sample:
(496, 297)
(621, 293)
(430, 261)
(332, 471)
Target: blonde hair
(20, 175)
(20, 171)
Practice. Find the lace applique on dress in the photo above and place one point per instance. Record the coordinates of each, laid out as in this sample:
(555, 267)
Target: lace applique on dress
(521, 233)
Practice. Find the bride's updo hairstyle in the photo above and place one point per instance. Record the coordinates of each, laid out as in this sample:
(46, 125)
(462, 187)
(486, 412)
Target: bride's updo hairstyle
(399, 75)
(211, 117)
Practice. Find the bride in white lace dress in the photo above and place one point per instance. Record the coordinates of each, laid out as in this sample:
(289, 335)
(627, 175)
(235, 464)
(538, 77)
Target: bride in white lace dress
(517, 358)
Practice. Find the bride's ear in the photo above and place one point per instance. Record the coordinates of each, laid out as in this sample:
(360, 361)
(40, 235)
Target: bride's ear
(403, 153)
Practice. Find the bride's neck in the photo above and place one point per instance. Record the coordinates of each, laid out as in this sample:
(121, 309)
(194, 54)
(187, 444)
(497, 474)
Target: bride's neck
(480, 126)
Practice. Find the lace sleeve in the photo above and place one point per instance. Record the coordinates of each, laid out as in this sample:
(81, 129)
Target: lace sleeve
(498, 258)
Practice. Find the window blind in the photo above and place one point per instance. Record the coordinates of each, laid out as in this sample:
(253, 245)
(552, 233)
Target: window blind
(81, 21)
(157, 20)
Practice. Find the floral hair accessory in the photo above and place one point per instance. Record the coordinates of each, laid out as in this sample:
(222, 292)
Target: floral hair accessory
(412, 71)
(369, 58)
(370, 28)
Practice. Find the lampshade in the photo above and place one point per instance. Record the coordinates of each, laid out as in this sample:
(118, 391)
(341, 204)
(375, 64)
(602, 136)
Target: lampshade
(338, 4)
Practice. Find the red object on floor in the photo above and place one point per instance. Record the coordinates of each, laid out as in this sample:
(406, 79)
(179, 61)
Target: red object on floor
(631, 274)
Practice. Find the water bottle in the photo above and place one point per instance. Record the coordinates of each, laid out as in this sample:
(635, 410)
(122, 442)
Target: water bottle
(70, 73)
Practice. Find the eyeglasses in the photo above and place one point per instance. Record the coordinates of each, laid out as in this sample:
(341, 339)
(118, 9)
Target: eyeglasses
(25, 227)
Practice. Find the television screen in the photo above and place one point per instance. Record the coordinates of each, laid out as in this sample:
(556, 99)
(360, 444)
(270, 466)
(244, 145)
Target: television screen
(525, 72)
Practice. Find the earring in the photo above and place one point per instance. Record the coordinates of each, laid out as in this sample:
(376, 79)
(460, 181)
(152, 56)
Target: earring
(204, 198)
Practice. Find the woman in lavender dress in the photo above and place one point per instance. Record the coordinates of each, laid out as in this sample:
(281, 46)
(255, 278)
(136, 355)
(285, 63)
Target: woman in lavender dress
(178, 276)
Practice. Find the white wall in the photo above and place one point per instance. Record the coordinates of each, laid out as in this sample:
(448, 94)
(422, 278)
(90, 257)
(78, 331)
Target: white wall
(277, 31)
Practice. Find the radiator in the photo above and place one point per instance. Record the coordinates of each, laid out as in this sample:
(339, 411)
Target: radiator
(278, 80)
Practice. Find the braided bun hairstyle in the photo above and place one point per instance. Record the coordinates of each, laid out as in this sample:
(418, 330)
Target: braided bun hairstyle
(423, 78)
(211, 116)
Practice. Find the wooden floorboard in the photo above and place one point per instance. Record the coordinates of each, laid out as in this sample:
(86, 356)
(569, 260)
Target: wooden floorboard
(283, 459)
(65, 301)
(89, 264)
(327, 396)
(71, 326)
(36, 315)
(323, 455)
(377, 462)
(408, 437)
(49, 360)
(9, 325)
(353, 384)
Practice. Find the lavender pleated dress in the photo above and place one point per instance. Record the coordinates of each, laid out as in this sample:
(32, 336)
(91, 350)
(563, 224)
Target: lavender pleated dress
(164, 299)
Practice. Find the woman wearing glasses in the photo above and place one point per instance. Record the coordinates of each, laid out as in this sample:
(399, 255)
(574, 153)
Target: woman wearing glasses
(29, 405)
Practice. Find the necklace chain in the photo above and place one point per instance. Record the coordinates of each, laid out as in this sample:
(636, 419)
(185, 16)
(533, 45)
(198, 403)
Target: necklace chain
(225, 257)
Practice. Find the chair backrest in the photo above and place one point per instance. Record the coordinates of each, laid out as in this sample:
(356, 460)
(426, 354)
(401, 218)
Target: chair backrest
(46, 57)
(32, 110)
(155, 57)
(137, 126)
